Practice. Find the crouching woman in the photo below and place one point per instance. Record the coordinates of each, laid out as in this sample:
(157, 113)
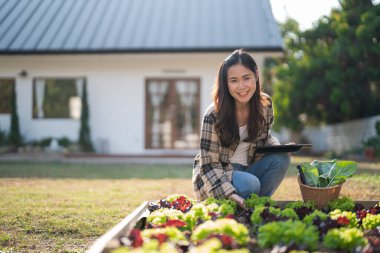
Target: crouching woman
(238, 121)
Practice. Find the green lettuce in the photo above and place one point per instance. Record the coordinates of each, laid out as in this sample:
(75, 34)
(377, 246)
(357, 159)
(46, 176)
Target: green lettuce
(326, 174)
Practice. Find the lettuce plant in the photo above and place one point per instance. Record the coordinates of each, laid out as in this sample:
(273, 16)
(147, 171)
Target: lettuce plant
(286, 233)
(309, 219)
(198, 213)
(226, 203)
(150, 246)
(263, 214)
(299, 204)
(254, 200)
(344, 239)
(344, 204)
(326, 174)
(289, 213)
(172, 234)
(161, 216)
(222, 226)
(340, 216)
(174, 201)
(214, 245)
(371, 221)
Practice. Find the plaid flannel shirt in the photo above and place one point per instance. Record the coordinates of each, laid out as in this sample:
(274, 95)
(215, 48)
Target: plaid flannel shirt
(212, 170)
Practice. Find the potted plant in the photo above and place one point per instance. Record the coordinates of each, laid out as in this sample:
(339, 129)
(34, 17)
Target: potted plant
(321, 182)
(372, 145)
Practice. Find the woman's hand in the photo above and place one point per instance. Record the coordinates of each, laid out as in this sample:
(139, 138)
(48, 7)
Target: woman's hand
(290, 143)
(239, 200)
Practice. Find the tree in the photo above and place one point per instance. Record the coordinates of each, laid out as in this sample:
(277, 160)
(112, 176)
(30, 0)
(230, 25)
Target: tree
(282, 78)
(330, 73)
(84, 132)
(14, 137)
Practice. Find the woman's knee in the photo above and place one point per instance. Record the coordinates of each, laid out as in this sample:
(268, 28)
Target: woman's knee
(245, 184)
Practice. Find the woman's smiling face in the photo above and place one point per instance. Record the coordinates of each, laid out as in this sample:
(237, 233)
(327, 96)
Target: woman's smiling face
(241, 83)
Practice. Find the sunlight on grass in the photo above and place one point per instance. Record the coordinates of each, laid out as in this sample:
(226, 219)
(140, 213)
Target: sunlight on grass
(93, 171)
(43, 210)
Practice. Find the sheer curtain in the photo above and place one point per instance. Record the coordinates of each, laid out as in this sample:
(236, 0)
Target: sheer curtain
(39, 93)
(157, 90)
(187, 90)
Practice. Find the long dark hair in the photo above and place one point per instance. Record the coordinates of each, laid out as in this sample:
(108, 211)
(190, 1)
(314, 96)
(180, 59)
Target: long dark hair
(226, 125)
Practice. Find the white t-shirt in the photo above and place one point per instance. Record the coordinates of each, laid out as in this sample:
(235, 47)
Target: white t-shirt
(241, 153)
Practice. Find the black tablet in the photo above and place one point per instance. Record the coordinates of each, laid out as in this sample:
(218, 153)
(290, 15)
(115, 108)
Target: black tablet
(281, 148)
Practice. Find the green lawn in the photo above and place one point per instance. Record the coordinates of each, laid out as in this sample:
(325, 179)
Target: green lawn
(93, 171)
(48, 207)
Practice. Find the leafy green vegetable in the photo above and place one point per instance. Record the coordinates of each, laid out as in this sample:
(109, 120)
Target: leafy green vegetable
(287, 232)
(254, 200)
(309, 219)
(351, 216)
(220, 202)
(344, 239)
(199, 212)
(340, 171)
(326, 174)
(213, 245)
(299, 204)
(371, 221)
(226, 209)
(257, 217)
(222, 226)
(311, 174)
(344, 203)
(289, 213)
(173, 233)
(161, 216)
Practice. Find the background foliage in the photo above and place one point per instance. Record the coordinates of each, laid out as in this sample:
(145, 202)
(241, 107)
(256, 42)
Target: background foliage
(85, 132)
(329, 73)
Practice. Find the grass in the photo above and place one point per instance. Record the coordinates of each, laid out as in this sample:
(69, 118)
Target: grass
(92, 171)
(48, 207)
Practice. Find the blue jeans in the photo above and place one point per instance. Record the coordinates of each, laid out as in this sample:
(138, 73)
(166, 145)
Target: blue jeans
(262, 177)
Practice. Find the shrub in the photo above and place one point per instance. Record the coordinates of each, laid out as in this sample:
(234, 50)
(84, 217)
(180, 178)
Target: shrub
(64, 142)
(3, 138)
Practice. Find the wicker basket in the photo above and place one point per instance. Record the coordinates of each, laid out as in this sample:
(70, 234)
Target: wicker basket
(321, 196)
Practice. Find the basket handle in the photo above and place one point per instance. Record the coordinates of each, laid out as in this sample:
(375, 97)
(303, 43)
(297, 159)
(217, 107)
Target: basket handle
(302, 176)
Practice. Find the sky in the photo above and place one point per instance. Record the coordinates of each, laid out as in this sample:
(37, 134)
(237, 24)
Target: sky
(304, 11)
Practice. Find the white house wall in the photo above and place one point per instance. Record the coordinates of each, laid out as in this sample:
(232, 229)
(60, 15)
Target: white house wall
(116, 92)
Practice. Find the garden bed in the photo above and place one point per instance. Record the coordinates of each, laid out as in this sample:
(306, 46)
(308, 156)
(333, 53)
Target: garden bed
(179, 224)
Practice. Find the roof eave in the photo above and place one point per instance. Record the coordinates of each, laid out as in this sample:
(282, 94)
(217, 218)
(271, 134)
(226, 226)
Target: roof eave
(140, 50)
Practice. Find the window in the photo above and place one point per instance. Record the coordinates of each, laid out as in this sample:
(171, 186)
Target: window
(172, 113)
(57, 97)
(6, 86)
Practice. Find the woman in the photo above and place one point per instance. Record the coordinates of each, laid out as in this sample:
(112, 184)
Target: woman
(238, 121)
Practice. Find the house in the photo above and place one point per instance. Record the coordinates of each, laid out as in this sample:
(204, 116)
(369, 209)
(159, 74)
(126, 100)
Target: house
(149, 66)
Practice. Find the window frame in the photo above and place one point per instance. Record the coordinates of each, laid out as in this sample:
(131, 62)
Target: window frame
(12, 79)
(35, 117)
(148, 125)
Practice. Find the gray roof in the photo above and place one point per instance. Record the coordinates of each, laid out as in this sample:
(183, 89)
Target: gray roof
(106, 26)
